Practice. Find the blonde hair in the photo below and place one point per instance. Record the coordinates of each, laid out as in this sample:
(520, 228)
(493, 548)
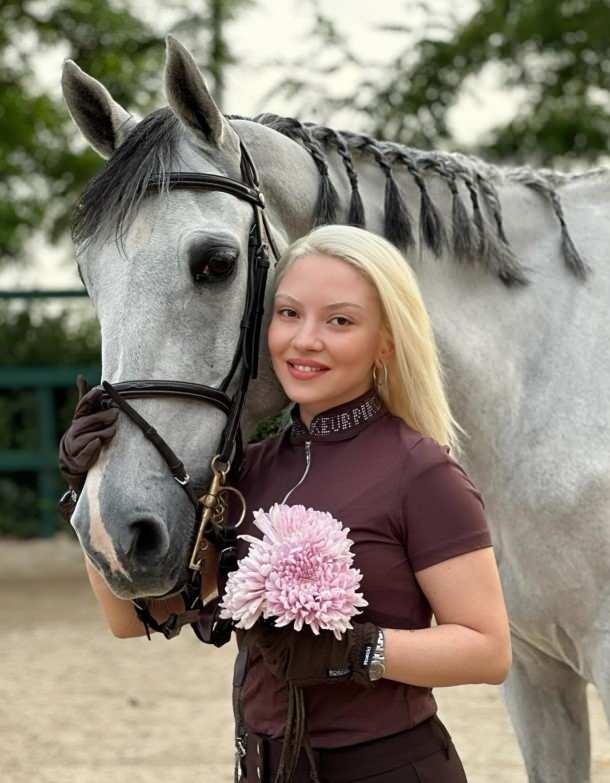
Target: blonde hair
(415, 390)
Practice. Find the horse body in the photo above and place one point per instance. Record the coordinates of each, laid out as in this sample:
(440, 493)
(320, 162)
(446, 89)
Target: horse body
(528, 378)
(525, 367)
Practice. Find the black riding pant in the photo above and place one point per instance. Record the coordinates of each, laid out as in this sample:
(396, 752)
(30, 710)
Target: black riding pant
(423, 754)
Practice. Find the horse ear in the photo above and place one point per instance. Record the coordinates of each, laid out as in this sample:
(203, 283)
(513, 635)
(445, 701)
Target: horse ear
(189, 97)
(101, 120)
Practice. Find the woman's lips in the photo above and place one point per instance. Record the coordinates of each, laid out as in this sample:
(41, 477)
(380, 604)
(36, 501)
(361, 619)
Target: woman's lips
(304, 375)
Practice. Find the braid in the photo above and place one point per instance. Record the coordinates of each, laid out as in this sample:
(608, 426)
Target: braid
(430, 223)
(356, 216)
(398, 223)
(327, 202)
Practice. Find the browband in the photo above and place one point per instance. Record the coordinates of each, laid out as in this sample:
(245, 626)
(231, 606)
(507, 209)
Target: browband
(190, 180)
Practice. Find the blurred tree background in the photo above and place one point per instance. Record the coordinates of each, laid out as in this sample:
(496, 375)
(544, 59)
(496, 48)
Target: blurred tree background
(43, 162)
(549, 57)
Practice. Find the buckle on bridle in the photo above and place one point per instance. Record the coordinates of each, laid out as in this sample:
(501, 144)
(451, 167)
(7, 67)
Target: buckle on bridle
(183, 481)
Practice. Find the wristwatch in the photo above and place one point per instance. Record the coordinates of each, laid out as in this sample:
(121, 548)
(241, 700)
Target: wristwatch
(377, 664)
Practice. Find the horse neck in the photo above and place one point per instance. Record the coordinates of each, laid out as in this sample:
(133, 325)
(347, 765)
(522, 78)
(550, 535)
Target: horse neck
(289, 178)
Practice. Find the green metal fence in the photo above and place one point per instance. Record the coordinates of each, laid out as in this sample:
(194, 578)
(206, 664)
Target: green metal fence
(42, 461)
(42, 381)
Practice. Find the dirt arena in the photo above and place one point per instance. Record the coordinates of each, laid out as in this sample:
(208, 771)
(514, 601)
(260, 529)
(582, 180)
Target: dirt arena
(79, 706)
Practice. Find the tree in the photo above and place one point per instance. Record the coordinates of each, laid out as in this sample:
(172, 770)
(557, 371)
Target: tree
(555, 51)
(42, 167)
(43, 163)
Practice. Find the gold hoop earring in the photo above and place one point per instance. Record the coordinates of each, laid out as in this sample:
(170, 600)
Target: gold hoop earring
(385, 374)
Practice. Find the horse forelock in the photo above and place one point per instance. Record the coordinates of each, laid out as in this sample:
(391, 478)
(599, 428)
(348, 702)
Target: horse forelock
(110, 201)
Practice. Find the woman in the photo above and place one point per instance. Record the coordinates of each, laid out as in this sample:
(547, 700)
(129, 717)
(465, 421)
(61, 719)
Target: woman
(369, 421)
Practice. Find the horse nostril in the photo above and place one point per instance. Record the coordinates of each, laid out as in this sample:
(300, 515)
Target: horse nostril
(144, 539)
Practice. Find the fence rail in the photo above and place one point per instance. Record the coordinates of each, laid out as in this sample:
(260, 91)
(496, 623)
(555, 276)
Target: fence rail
(35, 293)
(43, 461)
(43, 381)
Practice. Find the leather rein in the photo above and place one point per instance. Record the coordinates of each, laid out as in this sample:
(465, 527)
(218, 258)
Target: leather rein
(209, 525)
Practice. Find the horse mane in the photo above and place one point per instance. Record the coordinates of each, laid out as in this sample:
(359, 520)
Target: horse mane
(477, 235)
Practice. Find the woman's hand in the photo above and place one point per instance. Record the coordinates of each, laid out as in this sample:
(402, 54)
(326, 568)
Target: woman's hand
(91, 427)
(119, 613)
(304, 658)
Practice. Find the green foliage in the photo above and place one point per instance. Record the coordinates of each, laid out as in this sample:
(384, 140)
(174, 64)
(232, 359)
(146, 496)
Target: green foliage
(269, 426)
(29, 340)
(43, 164)
(43, 167)
(554, 51)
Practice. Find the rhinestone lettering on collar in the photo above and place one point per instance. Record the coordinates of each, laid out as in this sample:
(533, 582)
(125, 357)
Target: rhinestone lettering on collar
(340, 421)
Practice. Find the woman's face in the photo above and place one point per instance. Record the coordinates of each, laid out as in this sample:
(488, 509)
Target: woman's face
(326, 313)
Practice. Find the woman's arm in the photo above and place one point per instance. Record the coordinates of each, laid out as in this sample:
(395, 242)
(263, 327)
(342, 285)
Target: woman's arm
(471, 643)
(119, 613)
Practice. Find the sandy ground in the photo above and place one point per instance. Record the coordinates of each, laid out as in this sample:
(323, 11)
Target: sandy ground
(79, 706)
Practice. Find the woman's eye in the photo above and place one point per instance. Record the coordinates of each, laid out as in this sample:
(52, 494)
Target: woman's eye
(347, 322)
(341, 318)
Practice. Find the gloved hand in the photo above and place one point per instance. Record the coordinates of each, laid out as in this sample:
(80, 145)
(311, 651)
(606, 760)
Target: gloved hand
(80, 445)
(304, 658)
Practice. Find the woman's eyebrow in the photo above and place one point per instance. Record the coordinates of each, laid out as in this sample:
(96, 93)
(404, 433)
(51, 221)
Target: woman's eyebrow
(326, 307)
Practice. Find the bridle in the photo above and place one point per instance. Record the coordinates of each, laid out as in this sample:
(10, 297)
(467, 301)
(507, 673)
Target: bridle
(210, 508)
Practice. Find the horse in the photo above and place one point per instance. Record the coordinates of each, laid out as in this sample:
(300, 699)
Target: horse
(513, 266)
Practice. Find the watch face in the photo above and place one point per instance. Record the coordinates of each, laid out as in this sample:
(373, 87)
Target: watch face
(376, 670)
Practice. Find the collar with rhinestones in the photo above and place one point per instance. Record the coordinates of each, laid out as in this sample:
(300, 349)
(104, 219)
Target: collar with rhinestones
(338, 423)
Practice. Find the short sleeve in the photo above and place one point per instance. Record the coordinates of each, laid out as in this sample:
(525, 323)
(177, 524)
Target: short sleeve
(444, 514)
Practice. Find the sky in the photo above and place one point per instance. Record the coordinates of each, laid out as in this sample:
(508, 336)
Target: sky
(277, 29)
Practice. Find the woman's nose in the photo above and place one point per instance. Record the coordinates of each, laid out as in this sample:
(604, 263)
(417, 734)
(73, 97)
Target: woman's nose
(306, 336)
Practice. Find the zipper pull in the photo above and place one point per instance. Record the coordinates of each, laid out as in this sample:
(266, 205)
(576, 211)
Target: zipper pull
(307, 464)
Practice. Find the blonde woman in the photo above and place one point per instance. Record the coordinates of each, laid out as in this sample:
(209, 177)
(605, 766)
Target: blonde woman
(372, 441)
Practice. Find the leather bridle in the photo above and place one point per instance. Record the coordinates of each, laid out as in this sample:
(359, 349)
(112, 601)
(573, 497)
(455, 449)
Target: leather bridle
(210, 508)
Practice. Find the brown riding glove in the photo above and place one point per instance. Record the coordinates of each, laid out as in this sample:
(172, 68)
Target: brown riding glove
(81, 444)
(304, 658)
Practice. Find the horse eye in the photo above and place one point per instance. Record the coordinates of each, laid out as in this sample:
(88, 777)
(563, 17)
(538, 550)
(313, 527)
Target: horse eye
(213, 265)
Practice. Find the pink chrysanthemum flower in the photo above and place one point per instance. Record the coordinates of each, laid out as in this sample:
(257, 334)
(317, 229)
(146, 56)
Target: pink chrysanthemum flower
(300, 572)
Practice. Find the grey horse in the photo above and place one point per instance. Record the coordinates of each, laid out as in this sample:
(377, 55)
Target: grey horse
(521, 321)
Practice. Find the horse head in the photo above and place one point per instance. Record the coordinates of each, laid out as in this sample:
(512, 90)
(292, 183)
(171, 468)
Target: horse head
(167, 273)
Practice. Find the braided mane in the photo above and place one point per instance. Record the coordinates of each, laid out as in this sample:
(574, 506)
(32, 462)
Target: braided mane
(476, 236)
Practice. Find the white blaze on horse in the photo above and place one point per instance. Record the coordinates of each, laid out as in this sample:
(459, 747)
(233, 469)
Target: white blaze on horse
(521, 321)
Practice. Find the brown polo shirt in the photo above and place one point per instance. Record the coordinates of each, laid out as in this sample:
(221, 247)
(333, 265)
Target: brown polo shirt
(408, 505)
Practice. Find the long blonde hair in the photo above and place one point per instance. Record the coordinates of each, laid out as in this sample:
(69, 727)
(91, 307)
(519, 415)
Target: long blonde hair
(415, 390)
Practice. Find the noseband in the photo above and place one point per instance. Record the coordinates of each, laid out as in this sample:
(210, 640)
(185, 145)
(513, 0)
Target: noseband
(211, 507)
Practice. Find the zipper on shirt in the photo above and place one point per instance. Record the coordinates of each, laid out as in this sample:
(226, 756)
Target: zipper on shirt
(307, 464)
